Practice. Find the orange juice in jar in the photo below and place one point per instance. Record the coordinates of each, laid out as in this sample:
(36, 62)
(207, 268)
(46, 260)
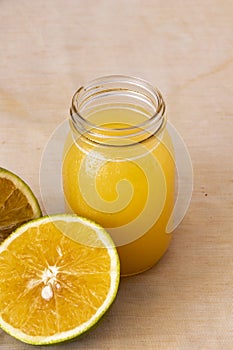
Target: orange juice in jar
(118, 167)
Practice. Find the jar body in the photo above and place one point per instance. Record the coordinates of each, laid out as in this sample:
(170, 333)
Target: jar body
(127, 187)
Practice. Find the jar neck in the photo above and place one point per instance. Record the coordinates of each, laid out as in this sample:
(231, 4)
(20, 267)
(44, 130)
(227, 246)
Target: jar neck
(117, 110)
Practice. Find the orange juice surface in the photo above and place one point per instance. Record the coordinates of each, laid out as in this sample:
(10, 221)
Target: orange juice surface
(127, 188)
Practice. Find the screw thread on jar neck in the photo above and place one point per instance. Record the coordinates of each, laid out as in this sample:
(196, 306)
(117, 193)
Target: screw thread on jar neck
(124, 94)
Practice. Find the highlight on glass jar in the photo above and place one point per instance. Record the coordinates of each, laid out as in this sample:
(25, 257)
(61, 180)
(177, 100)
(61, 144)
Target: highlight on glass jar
(123, 166)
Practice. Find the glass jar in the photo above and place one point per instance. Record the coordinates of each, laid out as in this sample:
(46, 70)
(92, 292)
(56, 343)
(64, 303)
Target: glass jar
(118, 166)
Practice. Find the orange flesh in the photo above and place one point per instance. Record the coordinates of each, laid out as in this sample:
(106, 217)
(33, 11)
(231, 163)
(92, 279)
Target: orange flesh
(14, 208)
(50, 283)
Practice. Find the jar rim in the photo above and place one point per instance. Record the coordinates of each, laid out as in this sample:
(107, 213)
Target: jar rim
(119, 84)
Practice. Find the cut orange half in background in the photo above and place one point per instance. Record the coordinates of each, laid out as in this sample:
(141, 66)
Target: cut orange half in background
(58, 276)
(17, 203)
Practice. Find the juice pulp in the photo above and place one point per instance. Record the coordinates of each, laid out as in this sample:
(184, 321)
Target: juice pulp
(129, 190)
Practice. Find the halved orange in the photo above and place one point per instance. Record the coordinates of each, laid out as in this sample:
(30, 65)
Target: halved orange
(17, 203)
(58, 276)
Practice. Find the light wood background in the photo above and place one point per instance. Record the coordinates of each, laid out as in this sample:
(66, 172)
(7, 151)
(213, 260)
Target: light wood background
(48, 48)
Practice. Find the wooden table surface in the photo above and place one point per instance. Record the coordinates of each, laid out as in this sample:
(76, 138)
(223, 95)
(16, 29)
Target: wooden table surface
(50, 48)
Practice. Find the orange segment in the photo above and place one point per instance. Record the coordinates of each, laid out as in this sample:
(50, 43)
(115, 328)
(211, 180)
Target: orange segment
(51, 285)
(17, 203)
